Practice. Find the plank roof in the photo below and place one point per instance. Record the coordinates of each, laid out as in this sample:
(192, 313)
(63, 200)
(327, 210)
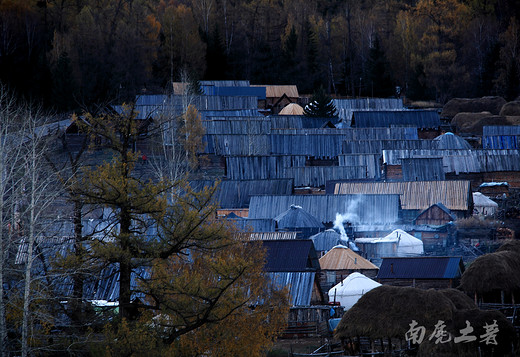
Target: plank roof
(296, 217)
(298, 122)
(501, 137)
(394, 133)
(423, 169)
(369, 208)
(343, 258)
(450, 141)
(377, 146)
(237, 125)
(277, 91)
(237, 144)
(424, 119)
(421, 268)
(346, 107)
(237, 193)
(261, 167)
(317, 176)
(458, 161)
(326, 240)
(300, 285)
(290, 255)
(415, 195)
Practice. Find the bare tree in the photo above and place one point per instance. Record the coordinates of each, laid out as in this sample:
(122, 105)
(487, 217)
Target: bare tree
(10, 154)
(34, 194)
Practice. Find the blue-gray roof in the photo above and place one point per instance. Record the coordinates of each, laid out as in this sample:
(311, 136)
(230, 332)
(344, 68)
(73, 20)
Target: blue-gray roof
(237, 193)
(299, 122)
(450, 141)
(346, 107)
(423, 119)
(501, 137)
(259, 92)
(297, 217)
(300, 285)
(362, 209)
(421, 268)
(290, 255)
(261, 167)
(326, 240)
(423, 169)
(237, 125)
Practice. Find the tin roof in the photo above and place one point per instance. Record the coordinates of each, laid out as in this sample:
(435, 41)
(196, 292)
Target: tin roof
(424, 119)
(421, 268)
(290, 255)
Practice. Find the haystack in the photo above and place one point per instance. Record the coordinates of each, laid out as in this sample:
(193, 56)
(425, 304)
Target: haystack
(494, 271)
(505, 338)
(472, 105)
(387, 311)
(511, 109)
(459, 299)
(510, 246)
(472, 123)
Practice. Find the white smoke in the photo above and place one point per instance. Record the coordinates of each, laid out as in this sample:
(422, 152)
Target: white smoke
(349, 216)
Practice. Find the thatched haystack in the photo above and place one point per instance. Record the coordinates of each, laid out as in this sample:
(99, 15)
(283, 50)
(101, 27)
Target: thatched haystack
(510, 109)
(459, 299)
(472, 123)
(511, 245)
(495, 277)
(386, 312)
(472, 105)
(494, 271)
(505, 339)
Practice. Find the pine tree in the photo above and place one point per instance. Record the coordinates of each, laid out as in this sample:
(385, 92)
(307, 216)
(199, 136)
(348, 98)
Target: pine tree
(198, 274)
(379, 80)
(321, 105)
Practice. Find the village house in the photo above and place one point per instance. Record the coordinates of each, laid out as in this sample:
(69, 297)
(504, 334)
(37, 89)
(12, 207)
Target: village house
(421, 272)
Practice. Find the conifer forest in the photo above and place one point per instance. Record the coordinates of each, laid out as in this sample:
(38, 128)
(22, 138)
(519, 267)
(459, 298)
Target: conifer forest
(70, 54)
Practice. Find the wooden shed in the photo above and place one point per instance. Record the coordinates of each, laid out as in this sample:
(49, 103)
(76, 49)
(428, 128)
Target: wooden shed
(416, 196)
(421, 272)
(435, 215)
(278, 97)
(340, 262)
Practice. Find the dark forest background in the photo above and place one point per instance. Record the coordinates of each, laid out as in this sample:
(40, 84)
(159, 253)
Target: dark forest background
(70, 54)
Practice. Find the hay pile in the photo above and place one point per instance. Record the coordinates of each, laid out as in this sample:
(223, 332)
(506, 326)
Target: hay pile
(387, 312)
(472, 123)
(473, 105)
(494, 271)
(510, 109)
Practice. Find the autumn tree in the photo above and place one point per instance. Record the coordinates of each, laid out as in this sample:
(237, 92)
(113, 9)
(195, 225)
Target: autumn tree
(442, 24)
(194, 274)
(508, 80)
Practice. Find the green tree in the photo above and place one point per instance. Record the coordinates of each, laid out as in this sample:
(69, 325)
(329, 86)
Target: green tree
(321, 105)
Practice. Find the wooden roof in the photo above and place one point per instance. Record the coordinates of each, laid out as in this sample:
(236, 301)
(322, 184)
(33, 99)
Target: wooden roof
(415, 195)
(341, 258)
(277, 91)
(292, 109)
